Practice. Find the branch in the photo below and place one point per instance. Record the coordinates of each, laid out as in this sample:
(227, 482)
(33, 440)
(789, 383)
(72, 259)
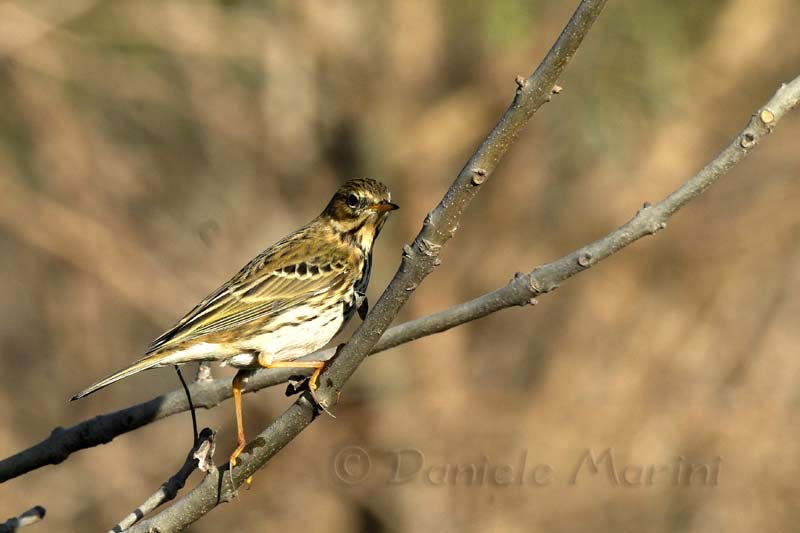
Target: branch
(210, 393)
(31, 516)
(199, 457)
(207, 394)
(522, 289)
(440, 225)
(418, 261)
(519, 291)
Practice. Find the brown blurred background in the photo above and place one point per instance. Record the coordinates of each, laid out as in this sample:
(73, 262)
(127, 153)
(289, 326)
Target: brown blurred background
(149, 149)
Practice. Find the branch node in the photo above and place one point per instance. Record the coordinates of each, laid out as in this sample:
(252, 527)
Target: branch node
(437, 261)
(748, 140)
(522, 82)
(585, 259)
(641, 210)
(655, 227)
(411, 287)
(429, 248)
(478, 176)
(557, 89)
(408, 251)
(767, 117)
(204, 372)
(536, 287)
(205, 452)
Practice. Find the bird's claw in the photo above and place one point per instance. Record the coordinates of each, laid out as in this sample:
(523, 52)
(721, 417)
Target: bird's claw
(318, 405)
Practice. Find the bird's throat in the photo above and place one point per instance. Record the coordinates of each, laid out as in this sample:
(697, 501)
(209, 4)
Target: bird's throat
(362, 233)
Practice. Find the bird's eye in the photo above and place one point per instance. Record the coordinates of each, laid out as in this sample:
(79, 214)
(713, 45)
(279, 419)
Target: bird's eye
(352, 201)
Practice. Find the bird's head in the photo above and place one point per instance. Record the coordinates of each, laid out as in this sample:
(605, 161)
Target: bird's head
(360, 208)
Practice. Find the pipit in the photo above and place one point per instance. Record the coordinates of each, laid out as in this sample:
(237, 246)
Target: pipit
(287, 302)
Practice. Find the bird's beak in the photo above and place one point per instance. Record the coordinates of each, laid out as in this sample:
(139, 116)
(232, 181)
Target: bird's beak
(384, 206)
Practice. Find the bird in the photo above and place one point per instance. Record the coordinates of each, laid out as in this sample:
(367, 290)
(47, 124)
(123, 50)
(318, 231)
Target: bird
(287, 302)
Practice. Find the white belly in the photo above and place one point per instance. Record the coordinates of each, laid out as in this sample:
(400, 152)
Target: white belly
(295, 339)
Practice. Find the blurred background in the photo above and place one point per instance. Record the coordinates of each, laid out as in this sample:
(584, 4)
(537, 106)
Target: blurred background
(149, 149)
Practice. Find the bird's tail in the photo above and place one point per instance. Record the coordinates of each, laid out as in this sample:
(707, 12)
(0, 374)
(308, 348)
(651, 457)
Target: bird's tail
(142, 364)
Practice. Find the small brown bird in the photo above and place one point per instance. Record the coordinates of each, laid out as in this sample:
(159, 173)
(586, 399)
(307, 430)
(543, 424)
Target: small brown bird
(288, 302)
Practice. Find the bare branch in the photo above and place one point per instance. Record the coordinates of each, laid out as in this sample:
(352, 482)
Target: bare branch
(199, 457)
(519, 291)
(210, 393)
(418, 261)
(31, 516)
(205, 392)
(440, 225)
(653, 218)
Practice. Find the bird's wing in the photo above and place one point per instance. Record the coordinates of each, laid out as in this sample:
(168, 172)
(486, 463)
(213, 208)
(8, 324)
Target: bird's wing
(281, 278)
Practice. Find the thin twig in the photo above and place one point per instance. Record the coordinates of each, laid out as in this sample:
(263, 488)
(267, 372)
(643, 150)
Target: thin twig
(31, 516)
(191, 405)
(199, 457)
(101, 429)
(418, 261)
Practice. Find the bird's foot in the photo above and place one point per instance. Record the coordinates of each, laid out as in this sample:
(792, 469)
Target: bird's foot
(234, 460)
(319, 406)
(298, 384)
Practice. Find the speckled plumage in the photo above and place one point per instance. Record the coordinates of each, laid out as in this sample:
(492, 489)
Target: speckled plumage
(288, 301)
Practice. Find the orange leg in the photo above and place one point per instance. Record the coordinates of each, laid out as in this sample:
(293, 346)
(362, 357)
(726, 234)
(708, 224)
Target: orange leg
(236, 388)
(316, 365)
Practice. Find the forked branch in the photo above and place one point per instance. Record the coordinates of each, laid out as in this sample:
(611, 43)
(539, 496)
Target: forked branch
(418, 261)
(199, 457)
(531, 94)
(522, 289)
